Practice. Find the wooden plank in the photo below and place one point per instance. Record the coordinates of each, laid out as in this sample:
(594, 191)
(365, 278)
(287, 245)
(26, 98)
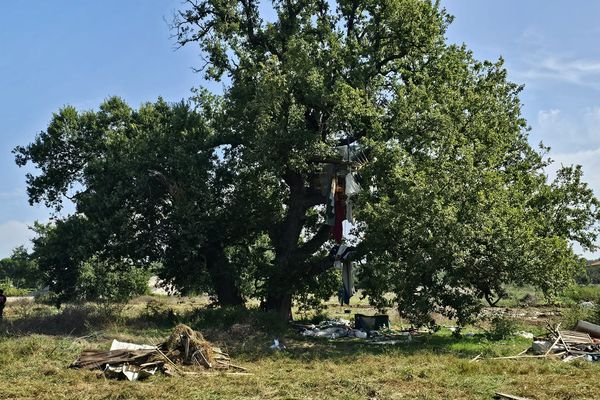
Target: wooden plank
(575, 337)
(218, 373)
(562, 340)
(511, 396)
(525, 356)
(169, 360)
(551, 347)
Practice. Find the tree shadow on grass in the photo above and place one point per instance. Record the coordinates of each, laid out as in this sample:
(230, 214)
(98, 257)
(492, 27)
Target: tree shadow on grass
(73, 319)
(345, 349)
(245, 333)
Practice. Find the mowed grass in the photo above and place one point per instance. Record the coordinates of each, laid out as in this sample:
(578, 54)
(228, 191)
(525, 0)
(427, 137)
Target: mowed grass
(34, 365)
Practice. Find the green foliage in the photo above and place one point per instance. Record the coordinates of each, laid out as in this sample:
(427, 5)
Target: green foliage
(594, 316)
(458, 205)
(502, 327)
(570, 316)
(74, 273)
(110, 282)
(21, 269)
(10, 290)
(48, 298)
(312, 293)
(578, 293)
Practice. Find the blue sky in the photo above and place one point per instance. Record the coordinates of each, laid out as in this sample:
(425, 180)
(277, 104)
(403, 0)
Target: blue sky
(80, 52)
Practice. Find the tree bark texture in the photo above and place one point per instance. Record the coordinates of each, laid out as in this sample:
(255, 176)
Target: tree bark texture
(222, 275)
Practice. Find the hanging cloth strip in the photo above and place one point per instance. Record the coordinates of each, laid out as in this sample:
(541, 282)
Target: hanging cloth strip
(340, 214)
(342, 256)
(330, 207)
(348, 280)
(339, 254)
(351, 188)
(339, 209)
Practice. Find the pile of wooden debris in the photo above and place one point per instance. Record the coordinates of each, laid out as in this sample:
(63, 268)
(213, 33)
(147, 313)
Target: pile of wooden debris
(188, 347)
(184, 347)
(583, 342)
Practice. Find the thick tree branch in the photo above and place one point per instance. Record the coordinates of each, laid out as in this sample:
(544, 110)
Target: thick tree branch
(315, 243)
(317, 266)
(313, 198)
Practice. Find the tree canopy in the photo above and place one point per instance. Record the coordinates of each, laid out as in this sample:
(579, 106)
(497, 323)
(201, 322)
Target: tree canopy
(226, 190)
(20, 270)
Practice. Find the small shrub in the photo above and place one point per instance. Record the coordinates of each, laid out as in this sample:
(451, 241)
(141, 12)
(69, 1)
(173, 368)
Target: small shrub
(71, 319)
(11, 291)
(24, 309)
(594, 316)
(528, 300)
(571, 315)
(47, 298)
(317, 318)
(578, 293)
(159, 314)
(501, 327)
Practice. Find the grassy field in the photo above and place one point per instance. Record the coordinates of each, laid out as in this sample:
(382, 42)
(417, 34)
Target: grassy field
(38, 343)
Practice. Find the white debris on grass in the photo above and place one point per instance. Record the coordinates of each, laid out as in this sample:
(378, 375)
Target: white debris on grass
(523, 334)
(116, 345)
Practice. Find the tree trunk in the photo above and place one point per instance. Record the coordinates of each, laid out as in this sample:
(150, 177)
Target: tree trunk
(223, 277)
(290, 264)
(280, 304)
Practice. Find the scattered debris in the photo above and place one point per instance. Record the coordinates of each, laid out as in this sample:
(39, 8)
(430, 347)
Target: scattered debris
(277, 345)
(528, 300)
(371, 323)
(588, 327)
(116, 345)
(569, 345)
(134, 361)
(540, 347)
(342, 328)
(331, 329)
(529, 314)
(586, 305)
(129, 372)
(526, 335)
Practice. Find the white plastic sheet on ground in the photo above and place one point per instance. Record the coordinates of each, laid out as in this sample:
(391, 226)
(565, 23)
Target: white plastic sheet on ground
(116, 345)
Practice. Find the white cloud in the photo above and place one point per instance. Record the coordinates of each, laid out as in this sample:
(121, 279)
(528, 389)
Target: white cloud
(12, 194)
(545, 116)
(531, 37)
(13, 234)
(576, 71)
(590, 162)
(569, 133)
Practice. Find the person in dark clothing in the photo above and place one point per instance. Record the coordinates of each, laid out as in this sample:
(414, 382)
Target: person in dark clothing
(2, 303)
